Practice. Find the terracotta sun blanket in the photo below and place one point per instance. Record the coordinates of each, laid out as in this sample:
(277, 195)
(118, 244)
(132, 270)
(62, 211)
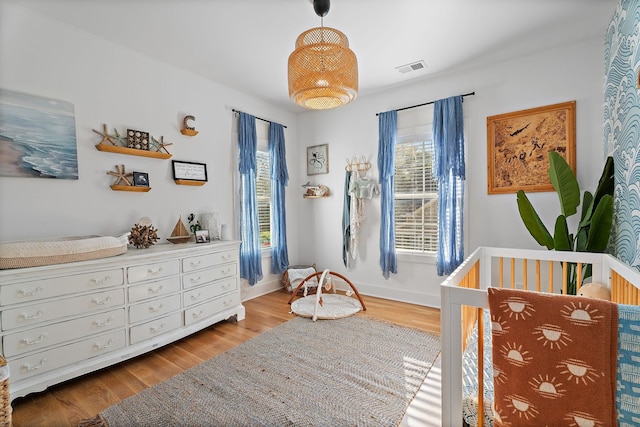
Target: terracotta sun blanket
(554, 359)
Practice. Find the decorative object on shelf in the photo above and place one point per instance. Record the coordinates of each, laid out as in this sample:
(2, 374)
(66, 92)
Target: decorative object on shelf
(209, 222)
(121, 176)
(141, 179)
(315, 191)
(519, 143)
(194, 225)
(189, 173)
(160, 145)
(143, 234)
(126, 144)
(322, 70)
(318, 159)
(225, 232)
(137, 139)
(180, 234)
(358, 166)
(202, 236)
(186, 129)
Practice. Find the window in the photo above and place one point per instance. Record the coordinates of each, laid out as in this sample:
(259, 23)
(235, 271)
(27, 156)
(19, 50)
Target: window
(415, 195)
(263, 193)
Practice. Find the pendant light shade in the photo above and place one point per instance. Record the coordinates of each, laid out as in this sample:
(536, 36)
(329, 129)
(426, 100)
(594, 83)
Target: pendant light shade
(323, 71)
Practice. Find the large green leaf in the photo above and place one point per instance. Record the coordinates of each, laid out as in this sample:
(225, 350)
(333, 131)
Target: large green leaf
(565, 183)
(561, 238)
(587, 210)
(532, 221)
(600, 229)
(606, 182)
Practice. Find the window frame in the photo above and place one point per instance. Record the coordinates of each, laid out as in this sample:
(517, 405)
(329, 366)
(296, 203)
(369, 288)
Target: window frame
(413, 134)
(262, 147)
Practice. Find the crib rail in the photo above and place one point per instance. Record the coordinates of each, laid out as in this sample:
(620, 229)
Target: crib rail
(464, 296)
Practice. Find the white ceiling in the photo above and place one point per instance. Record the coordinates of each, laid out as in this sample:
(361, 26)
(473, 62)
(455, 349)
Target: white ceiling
(245, 44)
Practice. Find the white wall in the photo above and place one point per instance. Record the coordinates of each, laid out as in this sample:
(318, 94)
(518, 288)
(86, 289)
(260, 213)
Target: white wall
(567, 73)
(110, 84)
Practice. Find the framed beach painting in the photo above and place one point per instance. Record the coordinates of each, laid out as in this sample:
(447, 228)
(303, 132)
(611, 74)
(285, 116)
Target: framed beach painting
(37, 137)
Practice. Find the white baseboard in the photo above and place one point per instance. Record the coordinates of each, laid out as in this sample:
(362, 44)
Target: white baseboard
(262, 288)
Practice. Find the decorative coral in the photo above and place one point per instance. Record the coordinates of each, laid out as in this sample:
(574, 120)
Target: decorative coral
(143, 236)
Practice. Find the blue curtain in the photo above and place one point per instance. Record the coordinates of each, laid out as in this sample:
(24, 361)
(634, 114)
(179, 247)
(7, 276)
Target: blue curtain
(279, 180)
(387, 124)
(449, 168)
(250, 252)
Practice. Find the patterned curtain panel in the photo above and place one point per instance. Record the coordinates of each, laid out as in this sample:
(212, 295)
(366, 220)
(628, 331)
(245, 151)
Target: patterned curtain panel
(250, 253)
(279, 180)
(449, 170)
(387, 124)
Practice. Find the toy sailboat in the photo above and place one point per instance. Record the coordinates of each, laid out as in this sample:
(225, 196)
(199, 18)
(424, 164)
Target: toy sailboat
(180, 234)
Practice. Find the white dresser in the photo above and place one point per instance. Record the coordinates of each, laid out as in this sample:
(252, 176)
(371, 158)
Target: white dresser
(62, 321)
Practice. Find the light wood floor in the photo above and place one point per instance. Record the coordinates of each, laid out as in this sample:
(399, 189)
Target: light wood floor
(68, 403)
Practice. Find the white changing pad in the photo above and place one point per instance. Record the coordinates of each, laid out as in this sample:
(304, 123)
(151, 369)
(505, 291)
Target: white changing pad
(32, 253)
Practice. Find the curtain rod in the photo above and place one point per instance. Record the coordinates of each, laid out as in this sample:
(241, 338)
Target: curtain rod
(428, 103)
(264, 120)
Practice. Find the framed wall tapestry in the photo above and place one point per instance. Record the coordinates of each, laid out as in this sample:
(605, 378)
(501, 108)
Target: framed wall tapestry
(518, 144)
(37, 137)
(318, 159)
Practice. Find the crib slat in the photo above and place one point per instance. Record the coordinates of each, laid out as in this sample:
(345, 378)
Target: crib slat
(501, 271)
(564, 277)
(551, 277)
(538, 275)
(513, 273)
(524, 274)
(578, 277)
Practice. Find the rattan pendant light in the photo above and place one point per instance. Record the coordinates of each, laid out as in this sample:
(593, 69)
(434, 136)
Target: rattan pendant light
(323, 71)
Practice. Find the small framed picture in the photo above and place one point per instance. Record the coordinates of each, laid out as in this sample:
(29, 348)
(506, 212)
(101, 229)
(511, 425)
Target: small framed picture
(318, 159)
(190, 171)
(141, 179)
(202, 236)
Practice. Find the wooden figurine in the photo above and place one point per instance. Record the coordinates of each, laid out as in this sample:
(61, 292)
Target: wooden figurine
(186, 129)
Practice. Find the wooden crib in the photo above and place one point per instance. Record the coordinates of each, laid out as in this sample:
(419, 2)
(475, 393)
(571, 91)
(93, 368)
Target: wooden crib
(464, 297)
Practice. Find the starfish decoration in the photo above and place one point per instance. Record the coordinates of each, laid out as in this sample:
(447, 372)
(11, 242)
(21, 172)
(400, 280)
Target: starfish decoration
(160, 145)
(121, 175)
(120, 140)
(105, 135)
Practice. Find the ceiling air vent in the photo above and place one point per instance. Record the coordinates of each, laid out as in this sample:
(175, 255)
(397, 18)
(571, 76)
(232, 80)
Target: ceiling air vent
(414, 66)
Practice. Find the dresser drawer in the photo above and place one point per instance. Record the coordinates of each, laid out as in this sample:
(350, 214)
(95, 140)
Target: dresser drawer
(56, 286)
(155, 327)
(203, 293)
(52, 310)
(154, 289)
(153, 308)
(204, 276)
(209, 260)
(57, 333)
(46, 361)
(202, 311)
(157, 270)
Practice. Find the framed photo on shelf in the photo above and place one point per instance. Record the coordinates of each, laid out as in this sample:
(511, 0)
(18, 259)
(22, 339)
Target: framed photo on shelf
(140, 179)
(518, 146)
(190, 171)
(318, 159)
(202, 236)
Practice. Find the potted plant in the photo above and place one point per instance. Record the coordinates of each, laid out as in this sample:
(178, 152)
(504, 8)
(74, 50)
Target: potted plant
(596, 219)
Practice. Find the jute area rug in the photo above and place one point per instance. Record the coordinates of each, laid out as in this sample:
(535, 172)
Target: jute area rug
(348, 372)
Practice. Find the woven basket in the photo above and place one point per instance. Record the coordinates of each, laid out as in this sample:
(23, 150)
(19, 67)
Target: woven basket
(5, 400)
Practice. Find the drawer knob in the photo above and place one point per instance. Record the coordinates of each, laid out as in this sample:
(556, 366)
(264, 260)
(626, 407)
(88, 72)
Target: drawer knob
(99, 346)
(154, 330)
(195, 264)
(195, 279)
(25, 316)
(156, 309)
(225, 257)
(103, 323)
(102, 281)
(28, 367)
(24, 293)
(29, 341)
(154, 271)
(103, 301)
(225, 286)
(198, 314)
(195, 297)
(155, 290)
